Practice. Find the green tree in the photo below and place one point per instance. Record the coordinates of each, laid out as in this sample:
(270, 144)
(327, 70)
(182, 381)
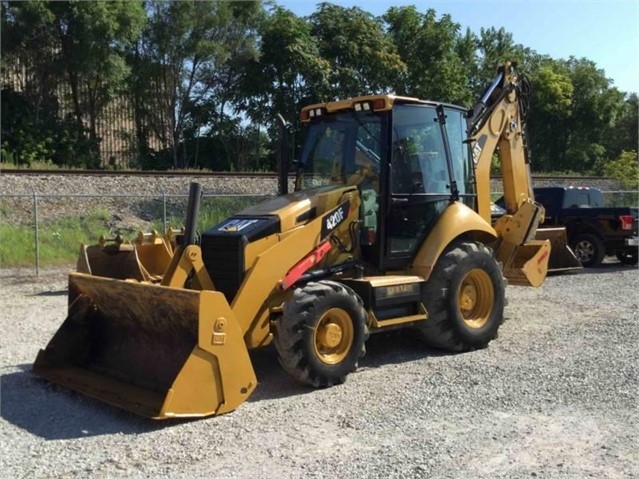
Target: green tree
(188, 57)
(496, 46)
(466, 49)
(596, 110)
(289, 73)
(625, 134)
(362, 58)
(550, 114)
(625, 169)
(50, 48)
(91, 37)
(430, 49)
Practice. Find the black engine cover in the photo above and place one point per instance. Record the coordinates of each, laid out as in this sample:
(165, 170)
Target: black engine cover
(223, 249)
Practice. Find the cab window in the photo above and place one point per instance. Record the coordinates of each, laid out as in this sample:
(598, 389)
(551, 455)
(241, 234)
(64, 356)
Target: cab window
(418, 163)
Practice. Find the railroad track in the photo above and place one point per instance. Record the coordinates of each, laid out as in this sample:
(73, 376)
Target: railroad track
(153, 174)
(215, 174)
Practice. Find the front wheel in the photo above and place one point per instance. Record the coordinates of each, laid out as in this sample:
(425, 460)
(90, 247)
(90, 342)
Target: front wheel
(320, 336)
(465, 298)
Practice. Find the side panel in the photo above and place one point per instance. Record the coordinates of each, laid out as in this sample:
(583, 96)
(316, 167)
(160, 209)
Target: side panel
(269, 267)
(456, 220)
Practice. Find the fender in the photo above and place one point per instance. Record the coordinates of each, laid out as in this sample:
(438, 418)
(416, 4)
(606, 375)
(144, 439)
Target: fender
(456, 220)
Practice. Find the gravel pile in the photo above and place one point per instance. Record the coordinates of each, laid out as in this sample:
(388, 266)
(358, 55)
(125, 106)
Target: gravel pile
(141, 199)
(555, 396)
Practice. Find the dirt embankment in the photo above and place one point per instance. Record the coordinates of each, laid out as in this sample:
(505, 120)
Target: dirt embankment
(129, 201)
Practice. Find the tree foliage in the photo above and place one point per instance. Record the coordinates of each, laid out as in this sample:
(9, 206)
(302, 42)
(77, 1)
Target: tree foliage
(204, 80)
(361, 56)
(288, 73)
(187, 59)
(624, 169)
(428, 47)
(79, 44)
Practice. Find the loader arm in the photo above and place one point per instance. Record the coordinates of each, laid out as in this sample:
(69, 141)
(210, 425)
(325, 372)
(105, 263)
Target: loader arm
(262, 288)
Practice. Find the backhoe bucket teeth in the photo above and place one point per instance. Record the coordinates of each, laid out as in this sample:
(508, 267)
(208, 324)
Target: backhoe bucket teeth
(157, 351)
(562, 258)
(530, 264)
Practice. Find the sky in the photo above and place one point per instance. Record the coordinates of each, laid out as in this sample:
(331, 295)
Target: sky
(603, 31)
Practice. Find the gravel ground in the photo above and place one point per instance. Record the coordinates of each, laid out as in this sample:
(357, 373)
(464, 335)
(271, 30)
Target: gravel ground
(554, 397)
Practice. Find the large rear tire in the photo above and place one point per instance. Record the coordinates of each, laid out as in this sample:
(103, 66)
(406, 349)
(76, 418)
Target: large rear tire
(321, 334)
(465, 298)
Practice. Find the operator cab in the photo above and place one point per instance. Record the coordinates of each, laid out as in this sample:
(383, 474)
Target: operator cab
(408, 158)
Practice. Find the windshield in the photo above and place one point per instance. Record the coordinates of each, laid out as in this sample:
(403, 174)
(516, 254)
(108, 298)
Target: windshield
(340, 147)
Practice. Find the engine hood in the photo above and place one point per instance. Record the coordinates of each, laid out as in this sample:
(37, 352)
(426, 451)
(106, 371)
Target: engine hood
(298, 208)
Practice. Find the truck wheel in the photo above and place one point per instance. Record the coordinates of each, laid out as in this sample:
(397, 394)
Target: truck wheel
(628, 256)
(588, 249)
(321, 334)
(465, 298)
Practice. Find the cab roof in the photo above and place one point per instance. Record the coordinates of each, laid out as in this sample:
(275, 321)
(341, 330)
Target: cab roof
(375, 103)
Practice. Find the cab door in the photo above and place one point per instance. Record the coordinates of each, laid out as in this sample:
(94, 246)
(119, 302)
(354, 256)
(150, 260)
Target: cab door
(420, 178)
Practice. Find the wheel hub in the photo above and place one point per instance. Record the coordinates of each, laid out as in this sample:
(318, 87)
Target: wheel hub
(333, 336)
(329, 335)
(476, 297)
(584, 250)
(468, 298)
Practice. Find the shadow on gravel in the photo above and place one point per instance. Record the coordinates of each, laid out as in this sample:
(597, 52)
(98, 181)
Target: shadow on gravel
(603, 268)
(606, 268)
(381, 349)
(61, 292)
(54, 412)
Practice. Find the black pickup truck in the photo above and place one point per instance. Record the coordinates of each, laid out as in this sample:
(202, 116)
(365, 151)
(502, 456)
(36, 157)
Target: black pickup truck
(592, 229)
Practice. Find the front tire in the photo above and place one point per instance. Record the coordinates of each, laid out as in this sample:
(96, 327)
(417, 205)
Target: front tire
(320, 336)
(465, 298)
(588, 249)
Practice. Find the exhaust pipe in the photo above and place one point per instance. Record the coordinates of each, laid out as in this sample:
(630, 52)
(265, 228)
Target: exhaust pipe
(192, 214)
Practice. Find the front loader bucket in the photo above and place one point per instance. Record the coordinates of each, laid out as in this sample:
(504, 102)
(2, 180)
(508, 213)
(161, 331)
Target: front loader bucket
(562, 257)
(157, 351)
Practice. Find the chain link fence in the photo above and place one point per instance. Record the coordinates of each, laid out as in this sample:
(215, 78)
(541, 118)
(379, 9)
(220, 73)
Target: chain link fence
(46, 229)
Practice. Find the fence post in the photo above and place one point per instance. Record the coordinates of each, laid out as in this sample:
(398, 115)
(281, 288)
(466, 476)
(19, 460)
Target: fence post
(163, 208)
(36, 233)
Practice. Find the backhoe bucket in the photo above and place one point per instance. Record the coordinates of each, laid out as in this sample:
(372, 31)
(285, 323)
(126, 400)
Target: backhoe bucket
(562, 257)
(157, 351)
(530, 264)
(144, 260)
(110, 261)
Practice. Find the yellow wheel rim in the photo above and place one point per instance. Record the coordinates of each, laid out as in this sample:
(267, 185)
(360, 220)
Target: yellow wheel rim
(476, 298)
(333, 336)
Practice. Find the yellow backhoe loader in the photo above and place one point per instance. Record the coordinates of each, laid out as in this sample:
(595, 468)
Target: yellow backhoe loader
(389, 226)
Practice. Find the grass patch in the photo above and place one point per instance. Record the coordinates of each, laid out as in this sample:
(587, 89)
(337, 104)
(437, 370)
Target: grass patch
(59, 241)
(212, 212)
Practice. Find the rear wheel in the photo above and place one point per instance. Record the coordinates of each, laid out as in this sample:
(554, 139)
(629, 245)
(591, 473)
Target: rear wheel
(588, 249)
(628, 255)
(465, 298)
(321, 334)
